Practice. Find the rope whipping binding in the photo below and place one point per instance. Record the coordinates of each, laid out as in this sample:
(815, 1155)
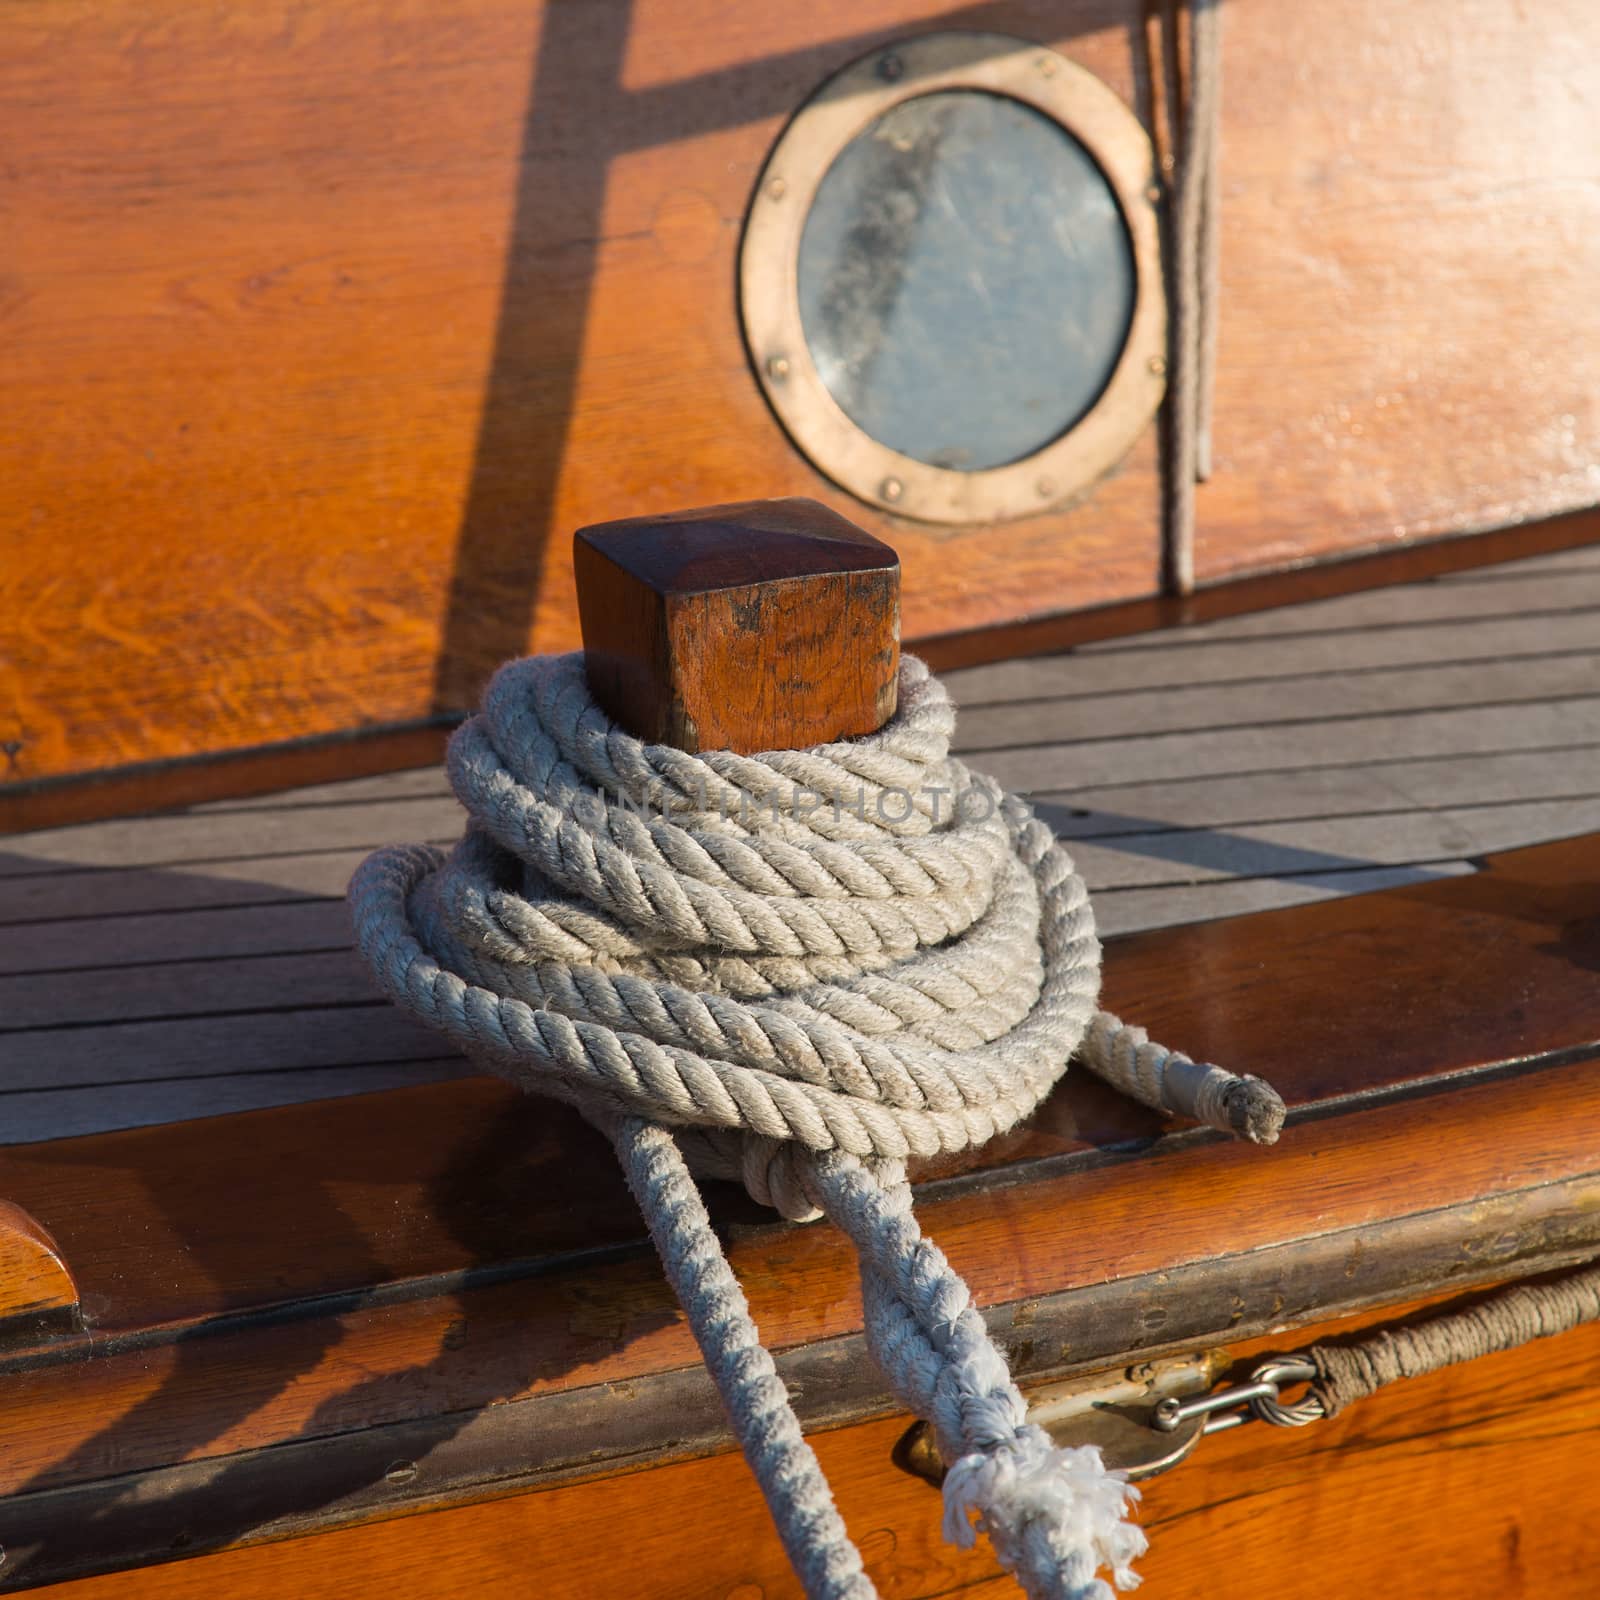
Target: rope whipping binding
(800, 970)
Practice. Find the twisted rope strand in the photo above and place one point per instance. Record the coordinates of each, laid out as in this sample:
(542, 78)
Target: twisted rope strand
(1053, 1515)
(1510, 1317)
(757, 1403)
(799, 970)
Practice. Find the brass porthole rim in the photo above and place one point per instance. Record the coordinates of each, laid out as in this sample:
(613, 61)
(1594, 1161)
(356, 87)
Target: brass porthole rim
(769, 259)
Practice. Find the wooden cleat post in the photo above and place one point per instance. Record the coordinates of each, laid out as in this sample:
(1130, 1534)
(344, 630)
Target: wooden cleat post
(767, 625)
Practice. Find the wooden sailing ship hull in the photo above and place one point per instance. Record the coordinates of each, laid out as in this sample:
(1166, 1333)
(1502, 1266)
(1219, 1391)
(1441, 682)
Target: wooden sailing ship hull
(332, 334)
(324, 332)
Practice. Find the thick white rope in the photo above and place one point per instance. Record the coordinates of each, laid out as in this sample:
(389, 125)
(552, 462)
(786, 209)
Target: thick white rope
(809, 966)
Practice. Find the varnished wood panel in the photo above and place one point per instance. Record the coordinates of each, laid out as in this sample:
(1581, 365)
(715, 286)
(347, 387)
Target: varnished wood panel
(1406, 965)
(321, 336)
(309, 764)
(457, 1246)
(35, 1283)
(442, 1281)
(1473, 1484)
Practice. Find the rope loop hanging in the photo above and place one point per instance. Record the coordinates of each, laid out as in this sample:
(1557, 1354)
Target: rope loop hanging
(799, 970)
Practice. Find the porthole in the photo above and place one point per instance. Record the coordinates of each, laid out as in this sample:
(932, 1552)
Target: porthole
(950, 279)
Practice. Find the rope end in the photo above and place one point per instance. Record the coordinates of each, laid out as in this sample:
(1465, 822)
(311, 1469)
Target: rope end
(1254, 1109)
(1055, 1516)
(1236, 1103)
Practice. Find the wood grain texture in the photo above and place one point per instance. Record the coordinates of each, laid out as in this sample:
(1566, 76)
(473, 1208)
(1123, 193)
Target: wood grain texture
(770, 625)
(154, 966)
(322, 336)
(211, 954)
(453, 1184)
(36, 1287)
(309, 764)
(298, 1415)
(1402, 564)
(1307, 697)
(453, 1271)
(1476, 1477)
(1363, 791)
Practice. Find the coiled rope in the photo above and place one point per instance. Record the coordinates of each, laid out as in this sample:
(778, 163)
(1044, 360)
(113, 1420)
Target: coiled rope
(799, 969)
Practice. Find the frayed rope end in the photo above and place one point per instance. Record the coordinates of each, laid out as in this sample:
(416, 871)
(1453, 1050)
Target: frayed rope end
(1053, 1514)
(1255, 1110)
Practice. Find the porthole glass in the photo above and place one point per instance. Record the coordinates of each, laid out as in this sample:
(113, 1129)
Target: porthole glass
(966, 280)
(950, 279)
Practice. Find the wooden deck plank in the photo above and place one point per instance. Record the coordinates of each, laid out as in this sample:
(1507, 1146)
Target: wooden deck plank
(414, 783)
(411, 1186)
(1287, 746)
(1335, 844)
(330, 977)
(1099, 669)
(1364, 790)
(83, 944)
(1314, 697)
(187, 836)
(198, 962)
(403, 1148)
(1315, 859)
(111, 892)
(1506, 593)
(212, 1047)
(227, 959)
(1579, 558)
(1513, 594)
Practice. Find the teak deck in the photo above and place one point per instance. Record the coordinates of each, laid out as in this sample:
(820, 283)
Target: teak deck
(426, 1298)
(198, 963)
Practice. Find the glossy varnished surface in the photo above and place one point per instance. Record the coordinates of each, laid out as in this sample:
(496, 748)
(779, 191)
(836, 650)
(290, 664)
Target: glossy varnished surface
(37, 1293)
(1385, 992)
(769, 625)
(1452, 1483)
(321, 336)
(435, 1255)
(271, 768)
(317, 1316)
